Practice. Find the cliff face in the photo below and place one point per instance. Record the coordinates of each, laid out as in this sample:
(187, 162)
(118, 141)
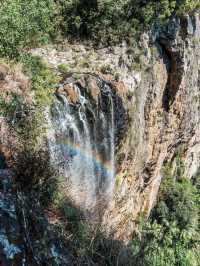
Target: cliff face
(163, 121)
(156, 109)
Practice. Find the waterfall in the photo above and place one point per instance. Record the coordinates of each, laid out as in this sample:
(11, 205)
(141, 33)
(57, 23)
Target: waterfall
(81, 144)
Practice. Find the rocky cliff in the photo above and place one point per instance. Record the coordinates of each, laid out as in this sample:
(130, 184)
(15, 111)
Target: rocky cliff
(154, 87)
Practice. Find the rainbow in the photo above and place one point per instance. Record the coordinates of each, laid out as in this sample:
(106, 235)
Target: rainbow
(99, 162)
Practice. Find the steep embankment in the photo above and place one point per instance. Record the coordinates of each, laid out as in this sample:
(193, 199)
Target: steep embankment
(151, 91)
(157, 82)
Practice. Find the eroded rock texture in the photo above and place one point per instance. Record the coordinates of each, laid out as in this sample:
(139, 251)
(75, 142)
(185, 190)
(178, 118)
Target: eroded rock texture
(156, 117)
(164, 113)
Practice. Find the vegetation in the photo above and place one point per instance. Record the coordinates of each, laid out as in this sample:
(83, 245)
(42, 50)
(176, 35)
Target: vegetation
(14, 109)
(86, 242)
(106, 69)
(13, 104)
(170, 237)
(24, 23)
(27, 23)
(23, 107)
(172, 234)
(108, 21)
(44, 80)
(64, 68)
(43, 84)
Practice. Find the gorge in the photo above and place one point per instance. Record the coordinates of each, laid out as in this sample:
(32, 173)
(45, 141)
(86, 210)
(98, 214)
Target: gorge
(95, 139)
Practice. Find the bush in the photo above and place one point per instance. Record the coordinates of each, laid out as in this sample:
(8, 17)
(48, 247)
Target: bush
(26, 23)
(44, 80)
(171, 236)
(64, 68)
(180, 205)
(23, 23)
(109, 21)
(184, 6)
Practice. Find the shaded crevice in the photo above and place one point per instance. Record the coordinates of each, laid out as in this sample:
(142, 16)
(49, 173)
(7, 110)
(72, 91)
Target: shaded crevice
(175, 68)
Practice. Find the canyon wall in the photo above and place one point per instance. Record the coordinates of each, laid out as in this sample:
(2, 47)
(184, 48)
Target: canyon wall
(154, 96)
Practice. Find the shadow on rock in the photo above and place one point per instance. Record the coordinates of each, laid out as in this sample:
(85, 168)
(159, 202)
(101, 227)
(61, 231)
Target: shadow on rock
(39, 227)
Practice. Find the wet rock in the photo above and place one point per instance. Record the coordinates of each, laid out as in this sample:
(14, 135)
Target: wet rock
(92, 87)
(2, 161)
(72, 94)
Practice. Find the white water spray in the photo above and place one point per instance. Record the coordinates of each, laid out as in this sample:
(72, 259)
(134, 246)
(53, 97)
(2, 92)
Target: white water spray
(81, 145)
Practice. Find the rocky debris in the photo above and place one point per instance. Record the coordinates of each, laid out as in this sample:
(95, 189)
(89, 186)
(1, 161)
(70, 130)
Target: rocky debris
(114, 60)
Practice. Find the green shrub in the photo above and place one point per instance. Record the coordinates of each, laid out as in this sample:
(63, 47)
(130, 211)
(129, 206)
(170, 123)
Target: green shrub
(30, 123)
(109, 21)
(172, 234)
(184, 6)
(24, 23)
(180, 205)
(44, 80)
(64, 68)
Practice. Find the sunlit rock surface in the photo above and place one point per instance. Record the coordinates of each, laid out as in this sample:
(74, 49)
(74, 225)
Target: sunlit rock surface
(110, 132)
(161, 102)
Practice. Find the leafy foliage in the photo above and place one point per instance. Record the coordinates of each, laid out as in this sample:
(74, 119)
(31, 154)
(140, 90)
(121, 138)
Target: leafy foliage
(109, 21)
(44, 80)
(64, 68)
(43, 83)
(23, 23)
(171, 237)
(23, 105)
(26, 23)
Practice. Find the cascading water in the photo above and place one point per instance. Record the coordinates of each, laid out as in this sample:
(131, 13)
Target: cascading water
(81, 145)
